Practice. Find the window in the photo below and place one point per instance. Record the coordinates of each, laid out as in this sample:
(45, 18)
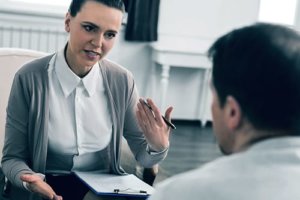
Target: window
(64, 3)
(278, 11)
(53, 8)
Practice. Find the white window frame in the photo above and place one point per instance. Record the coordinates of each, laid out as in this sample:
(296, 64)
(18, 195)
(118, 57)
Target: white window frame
(14, 7)
(296, 22)
(297, 16)
(275, 17)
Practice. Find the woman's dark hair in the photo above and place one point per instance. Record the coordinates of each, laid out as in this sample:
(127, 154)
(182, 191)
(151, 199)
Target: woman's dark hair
(76, 5)
(259, 65)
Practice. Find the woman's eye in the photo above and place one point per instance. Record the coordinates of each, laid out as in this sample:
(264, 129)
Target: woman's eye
(110, 35)
(88, 28)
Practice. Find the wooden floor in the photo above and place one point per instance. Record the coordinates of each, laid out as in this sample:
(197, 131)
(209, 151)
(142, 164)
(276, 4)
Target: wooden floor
(190, 146)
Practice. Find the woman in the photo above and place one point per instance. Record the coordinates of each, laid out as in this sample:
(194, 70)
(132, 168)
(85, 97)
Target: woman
(68, 111)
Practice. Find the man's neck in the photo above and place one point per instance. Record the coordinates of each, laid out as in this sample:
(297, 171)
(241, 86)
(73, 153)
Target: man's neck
(251, 136)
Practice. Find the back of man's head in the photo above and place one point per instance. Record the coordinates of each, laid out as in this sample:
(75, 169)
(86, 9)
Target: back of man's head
(259, 65)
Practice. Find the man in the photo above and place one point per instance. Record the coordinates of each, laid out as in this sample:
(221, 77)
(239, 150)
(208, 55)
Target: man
(256, 117)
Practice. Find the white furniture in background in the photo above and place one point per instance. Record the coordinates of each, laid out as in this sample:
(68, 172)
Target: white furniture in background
(11, 59)
(171, 56)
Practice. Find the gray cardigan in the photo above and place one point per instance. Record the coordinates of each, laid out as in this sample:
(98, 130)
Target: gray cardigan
(26, 137)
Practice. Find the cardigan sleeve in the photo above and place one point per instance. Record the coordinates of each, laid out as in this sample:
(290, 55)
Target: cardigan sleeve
(15, 151)
(123, 96)
(133, 133)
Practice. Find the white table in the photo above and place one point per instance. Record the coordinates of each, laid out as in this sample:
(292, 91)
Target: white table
(180, 57)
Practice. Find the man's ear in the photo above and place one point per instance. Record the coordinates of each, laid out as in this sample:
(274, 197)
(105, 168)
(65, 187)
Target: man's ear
(233, 113)
(67, 22)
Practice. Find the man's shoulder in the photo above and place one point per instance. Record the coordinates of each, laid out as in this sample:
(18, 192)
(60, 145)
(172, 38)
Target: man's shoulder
(198, 183)
(205, 173)
(213, 173)
(242, 173)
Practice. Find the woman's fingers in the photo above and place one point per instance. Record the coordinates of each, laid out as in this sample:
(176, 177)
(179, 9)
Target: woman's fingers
(155, 110)
(168, 113)
(37, 185)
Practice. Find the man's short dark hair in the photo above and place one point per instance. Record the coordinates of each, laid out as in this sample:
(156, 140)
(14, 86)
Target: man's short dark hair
(259, 65)
(76, 5)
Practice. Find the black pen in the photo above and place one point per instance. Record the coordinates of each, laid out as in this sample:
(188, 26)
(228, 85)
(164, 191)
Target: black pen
(166, 121)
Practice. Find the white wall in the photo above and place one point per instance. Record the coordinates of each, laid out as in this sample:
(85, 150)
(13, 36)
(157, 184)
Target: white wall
(205, 19)
(190, 24)
(195, 24)
(135, 56)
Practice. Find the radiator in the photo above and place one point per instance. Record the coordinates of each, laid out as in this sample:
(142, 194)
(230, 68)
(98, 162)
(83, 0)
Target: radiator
(46, 40)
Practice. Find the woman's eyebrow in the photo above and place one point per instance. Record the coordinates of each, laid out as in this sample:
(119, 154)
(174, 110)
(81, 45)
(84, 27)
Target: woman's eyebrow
(91, 24)
(98, 27)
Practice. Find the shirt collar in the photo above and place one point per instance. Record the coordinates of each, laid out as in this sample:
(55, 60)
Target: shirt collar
(69, 80)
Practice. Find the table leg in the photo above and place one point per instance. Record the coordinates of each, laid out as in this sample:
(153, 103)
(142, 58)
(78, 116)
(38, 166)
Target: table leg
(164, 82)
(153, 83)
(204, 96)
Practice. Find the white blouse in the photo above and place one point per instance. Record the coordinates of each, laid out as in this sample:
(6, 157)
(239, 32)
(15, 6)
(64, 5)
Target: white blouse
(79, 121)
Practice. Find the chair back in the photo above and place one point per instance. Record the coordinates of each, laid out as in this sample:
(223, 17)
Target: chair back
(11, 59)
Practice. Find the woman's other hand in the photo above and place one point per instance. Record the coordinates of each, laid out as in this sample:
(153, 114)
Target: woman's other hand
(36, 184)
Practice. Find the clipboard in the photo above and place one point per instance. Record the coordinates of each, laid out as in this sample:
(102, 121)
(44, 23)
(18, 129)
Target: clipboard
(115, 185)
